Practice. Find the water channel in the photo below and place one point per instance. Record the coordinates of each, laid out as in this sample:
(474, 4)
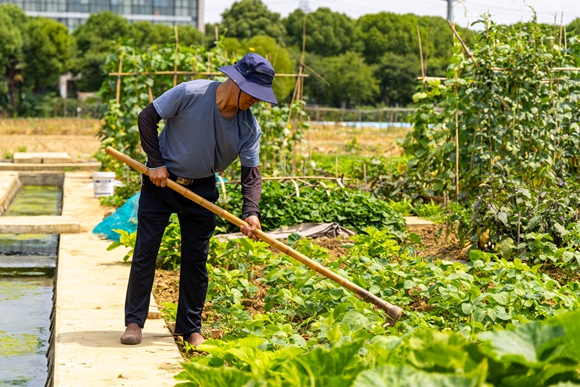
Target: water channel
(27, 266)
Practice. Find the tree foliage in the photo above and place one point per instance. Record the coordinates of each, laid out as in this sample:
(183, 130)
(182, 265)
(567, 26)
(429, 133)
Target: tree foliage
(12, 23)
(146, 34)
(397, 77)
(351, 80)
(46, 52)
(249, 18)
(328, 33)
(94, 40)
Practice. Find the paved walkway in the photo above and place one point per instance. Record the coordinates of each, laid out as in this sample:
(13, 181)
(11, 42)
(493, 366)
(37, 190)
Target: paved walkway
(90, 293)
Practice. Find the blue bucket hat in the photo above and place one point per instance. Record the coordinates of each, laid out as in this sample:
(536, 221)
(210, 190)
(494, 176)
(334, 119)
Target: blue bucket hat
(254, 75)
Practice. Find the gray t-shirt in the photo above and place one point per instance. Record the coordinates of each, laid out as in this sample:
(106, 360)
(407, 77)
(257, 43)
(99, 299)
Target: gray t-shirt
(197, 139)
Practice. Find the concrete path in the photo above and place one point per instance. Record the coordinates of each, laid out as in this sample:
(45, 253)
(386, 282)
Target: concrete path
(90, 293)
(416, 222)
(41, 224)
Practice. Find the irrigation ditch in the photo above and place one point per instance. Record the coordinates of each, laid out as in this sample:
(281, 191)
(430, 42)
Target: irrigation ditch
(28, 264)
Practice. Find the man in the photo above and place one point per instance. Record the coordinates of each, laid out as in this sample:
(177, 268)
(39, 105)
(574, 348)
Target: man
(208, 125)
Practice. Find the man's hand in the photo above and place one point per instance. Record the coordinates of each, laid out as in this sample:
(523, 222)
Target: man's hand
(254, 224)
(159, 176)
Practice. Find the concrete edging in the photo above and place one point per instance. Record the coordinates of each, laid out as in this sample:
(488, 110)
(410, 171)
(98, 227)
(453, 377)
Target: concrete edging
(88, 315)
(9, 186)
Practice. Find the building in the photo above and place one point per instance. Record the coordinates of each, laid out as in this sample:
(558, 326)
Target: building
(74, 12)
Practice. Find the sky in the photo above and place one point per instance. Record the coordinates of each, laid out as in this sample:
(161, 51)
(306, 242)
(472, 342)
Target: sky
(465, 11)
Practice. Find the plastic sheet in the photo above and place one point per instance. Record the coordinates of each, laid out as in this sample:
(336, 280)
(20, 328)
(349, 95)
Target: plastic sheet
(125, 218)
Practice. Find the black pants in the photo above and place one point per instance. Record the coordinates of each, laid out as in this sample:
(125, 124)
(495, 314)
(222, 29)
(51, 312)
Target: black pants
(197, 224)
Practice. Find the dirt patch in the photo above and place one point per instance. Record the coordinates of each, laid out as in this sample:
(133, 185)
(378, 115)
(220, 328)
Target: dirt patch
(562, 275)
(435, 245)
(334, 245)
(438, 242)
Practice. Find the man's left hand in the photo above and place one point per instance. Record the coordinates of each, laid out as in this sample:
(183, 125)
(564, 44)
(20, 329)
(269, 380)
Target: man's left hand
(254, 224)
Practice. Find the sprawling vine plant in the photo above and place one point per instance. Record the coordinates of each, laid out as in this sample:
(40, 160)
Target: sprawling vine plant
(515, 108)
(148, 73)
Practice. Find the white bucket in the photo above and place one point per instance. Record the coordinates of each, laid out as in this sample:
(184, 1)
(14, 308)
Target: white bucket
(104, 183)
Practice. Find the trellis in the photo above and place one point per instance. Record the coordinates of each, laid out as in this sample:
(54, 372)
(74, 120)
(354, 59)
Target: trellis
(464, 122)
(137, 77)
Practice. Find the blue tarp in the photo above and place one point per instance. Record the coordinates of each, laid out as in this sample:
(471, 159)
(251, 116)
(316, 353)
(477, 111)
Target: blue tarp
(125, 218)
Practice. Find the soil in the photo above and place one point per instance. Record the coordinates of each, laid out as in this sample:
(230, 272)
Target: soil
(436, 244)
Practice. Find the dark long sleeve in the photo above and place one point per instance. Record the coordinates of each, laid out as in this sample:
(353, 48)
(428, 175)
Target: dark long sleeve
(147, 123)
(251, 191)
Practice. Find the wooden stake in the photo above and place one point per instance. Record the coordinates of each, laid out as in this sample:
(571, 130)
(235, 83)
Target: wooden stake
(391, 166)
(119, 78)
(297, 88)
(457, 153)
(420, 51)
(209, 62)
(427, 49)
(131, 74)
(462, 43)
(561, 28)
(365, 175)
(175, 58)
(149, 89)
(193, 67)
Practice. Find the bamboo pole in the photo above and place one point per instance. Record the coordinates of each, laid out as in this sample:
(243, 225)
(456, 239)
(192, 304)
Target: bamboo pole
(126, 74)
(365, 175)
(457, 153)
(427, 49)
(420, 51)
(175, 57)
(462, 43)
(561, 29)
(118, 99)
(192, 77)
(393, 311)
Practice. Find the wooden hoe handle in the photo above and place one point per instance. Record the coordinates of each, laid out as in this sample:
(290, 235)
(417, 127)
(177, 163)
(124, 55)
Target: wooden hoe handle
(393, 311)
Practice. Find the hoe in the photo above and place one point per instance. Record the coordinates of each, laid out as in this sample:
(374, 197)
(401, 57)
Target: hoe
(393, 311)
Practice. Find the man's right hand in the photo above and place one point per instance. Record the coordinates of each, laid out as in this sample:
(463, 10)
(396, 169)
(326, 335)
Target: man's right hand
(159, 176)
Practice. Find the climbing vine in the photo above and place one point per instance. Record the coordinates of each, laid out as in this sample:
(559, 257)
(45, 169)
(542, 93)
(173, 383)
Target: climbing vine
(514, 106)
(144, 74)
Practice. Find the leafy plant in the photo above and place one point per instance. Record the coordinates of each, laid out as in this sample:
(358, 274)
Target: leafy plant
(430, 211)
(536, 223)
(532, 355)
(281, 206)
(515, 113)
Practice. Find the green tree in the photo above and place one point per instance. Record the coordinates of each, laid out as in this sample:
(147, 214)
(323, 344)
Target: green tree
(189, 35)
(328, 33)
(574, 27)
(46, 52)
(145, 33)
(249, 18)
(94, 40)
(352, 81)
(12, 24)
(397, 76)
(389, 32)
(277, 55)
